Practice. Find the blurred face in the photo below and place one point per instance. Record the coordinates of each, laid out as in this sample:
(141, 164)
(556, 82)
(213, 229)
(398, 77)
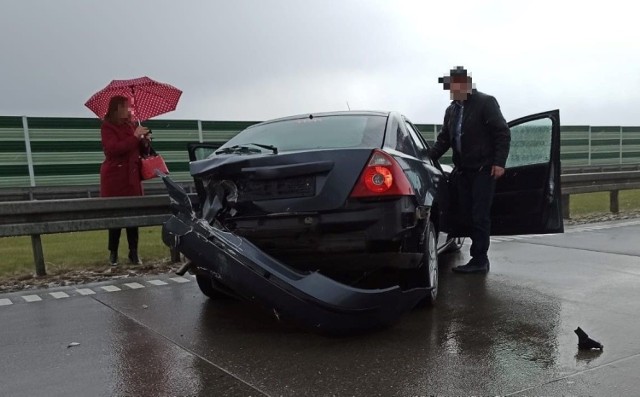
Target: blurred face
(123, 111)
(460, 88)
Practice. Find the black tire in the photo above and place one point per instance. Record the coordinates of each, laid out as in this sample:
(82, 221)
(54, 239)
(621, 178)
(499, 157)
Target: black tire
(428, 270)
(208, 287)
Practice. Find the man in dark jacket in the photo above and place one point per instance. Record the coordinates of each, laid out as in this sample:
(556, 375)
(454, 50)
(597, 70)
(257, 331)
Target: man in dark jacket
(478, 133)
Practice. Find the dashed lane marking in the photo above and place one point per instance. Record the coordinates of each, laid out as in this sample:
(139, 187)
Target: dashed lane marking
(31, 298)
(180, 279)
(5, 302)
(89, 291)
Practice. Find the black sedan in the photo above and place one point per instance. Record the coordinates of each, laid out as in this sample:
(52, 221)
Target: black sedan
(337, 219)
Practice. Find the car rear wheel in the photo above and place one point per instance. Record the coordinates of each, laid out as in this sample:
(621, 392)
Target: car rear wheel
(429, 268)
(209, 287)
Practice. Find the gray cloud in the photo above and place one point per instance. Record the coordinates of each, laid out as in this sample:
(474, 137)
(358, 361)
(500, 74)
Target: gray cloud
(252, 60)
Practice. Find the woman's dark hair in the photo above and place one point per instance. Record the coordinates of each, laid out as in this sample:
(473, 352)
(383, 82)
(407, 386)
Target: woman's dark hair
(114, 105)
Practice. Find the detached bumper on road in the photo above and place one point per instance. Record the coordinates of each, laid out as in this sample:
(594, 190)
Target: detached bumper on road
(309, 298)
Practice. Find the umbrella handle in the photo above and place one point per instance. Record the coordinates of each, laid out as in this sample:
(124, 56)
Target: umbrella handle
(133, 95)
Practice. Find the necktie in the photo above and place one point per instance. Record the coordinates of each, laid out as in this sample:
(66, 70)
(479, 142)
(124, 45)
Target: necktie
(459, 108)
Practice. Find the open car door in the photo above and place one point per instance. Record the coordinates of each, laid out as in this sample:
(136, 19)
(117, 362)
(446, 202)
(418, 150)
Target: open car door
(528, 198)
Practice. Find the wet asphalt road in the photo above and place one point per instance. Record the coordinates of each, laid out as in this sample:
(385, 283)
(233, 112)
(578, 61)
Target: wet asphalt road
(509, 333)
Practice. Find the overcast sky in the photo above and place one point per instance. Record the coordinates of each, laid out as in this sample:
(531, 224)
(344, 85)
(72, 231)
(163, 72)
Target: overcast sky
(260, 59)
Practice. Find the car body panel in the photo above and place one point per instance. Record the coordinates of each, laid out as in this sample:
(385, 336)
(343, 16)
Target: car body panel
(310, 298)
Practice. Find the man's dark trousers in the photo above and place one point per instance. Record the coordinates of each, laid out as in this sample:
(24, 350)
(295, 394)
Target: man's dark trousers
(475, 189)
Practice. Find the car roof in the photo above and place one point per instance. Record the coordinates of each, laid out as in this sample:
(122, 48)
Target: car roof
(324, 114)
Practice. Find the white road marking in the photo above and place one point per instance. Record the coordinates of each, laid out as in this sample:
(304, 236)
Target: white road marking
(5, 302)
(111, 288)
(31, 298)
(59, 295)
(85, 291)
(134, 285)
(157, 282)
(180, 279)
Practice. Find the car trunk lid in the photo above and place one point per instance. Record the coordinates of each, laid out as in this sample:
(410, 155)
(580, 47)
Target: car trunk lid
(302, 181)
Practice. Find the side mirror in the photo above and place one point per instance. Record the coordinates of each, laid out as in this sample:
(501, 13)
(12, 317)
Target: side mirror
(200, 151)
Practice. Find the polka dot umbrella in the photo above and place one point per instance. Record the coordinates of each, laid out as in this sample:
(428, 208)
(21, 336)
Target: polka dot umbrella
(148, 98)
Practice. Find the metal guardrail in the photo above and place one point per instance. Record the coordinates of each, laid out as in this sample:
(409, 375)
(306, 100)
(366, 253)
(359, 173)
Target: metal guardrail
(611, 182)
(36, 217)
(72, 192)
(599, 182)
(23, 218)
(599, 168)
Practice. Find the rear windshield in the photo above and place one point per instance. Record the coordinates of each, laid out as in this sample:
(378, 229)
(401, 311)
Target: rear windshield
(322, 132)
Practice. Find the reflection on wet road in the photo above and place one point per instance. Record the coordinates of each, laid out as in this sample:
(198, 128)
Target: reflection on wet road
(507, 333)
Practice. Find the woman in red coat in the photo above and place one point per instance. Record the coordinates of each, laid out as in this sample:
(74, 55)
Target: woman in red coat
(123, 144)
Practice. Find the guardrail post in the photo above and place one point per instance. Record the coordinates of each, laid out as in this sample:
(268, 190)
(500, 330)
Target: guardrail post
(613, 202)
(38, 255)
(566, 201)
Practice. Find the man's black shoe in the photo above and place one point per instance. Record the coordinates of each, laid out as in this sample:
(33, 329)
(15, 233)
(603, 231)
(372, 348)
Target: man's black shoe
(473, 267)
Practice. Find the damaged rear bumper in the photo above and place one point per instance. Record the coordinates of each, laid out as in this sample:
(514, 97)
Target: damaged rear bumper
(309, 298)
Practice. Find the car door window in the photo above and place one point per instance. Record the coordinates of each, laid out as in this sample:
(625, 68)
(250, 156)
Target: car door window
(404, 142)
(530, 143)
(417, 141)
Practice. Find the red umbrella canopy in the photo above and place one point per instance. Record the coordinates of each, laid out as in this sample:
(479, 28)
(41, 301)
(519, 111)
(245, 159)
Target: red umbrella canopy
(148, 98)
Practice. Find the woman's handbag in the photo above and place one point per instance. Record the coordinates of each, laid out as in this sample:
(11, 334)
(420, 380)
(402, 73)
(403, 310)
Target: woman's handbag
(151, 161)
(149, 166)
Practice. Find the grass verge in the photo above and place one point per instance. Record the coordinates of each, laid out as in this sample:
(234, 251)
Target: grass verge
(68, 251)
(593, 203)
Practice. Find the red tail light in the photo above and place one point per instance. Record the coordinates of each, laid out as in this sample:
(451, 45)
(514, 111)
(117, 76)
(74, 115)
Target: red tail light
(382, 176)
